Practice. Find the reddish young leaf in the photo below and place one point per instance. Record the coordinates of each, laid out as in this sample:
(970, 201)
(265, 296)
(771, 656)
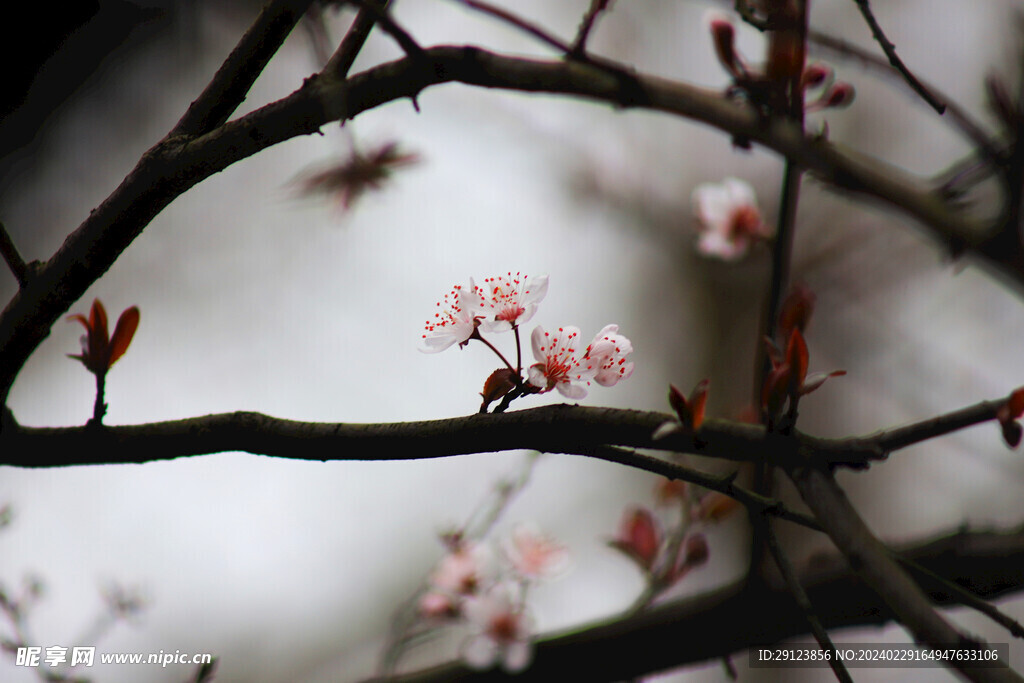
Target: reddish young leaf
(639, 537)
(797, 308)
(698, 399)
(98, 320)
(798, 359)
(123, 333)
(498, 384)
(690, 411)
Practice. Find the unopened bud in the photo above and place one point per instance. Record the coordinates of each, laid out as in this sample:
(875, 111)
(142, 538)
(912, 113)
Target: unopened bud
(815, 76)
(840, 95)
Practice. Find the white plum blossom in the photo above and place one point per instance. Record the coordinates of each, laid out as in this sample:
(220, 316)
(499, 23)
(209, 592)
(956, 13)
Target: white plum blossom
(510, 300)
(535, 555)
(455, 321)
(611, 348)
(558, 366)
(502, 631)
(730, 220)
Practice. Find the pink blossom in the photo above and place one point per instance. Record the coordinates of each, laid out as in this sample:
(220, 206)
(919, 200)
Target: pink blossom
(464, 570)
(730, 220)
(455, 321)
(558, 366)
(610, 349)
(511, 300)
(503, 631)
(535, 555)
(438, 606)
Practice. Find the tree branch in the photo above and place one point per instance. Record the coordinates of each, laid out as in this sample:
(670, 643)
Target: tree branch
(12, 257)
(890, 51)
(341, 61)
(881, 572)
(246, 62)
(717, 624)
(559, 428)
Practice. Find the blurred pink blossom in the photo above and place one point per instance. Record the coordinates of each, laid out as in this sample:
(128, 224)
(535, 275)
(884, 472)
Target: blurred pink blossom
(535, 555)
(502, 631)
(729, 218)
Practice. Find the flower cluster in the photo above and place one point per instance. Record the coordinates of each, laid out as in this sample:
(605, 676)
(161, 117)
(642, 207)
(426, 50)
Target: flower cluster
(503, 304)
(487, 590)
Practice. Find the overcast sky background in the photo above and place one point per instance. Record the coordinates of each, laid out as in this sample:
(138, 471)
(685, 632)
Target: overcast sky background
(254, 299)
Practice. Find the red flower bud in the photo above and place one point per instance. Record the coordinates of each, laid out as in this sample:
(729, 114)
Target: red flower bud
(639, 537)
(816, 75)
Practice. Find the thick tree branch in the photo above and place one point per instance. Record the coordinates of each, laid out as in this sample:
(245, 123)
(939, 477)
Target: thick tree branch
(554, 429)
(344, 57)
(174, 165)
(559, 428)
(246, 62)
(720, 623)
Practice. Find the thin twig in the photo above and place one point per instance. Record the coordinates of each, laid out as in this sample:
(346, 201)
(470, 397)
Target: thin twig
(518, 22)
(792, 580)
(763, 505)
(246, 62)
(954, 112)
(908, 435)
(340, 63)
(579, 46)
(387, 24)
(897, 63)
(13, 258)
(966, 597)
